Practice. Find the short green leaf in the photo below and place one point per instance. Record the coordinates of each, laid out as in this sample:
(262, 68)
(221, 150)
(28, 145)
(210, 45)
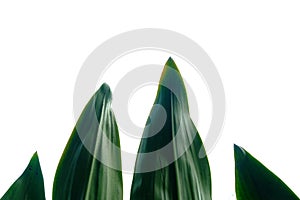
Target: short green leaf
(253, 181)
(30, 185)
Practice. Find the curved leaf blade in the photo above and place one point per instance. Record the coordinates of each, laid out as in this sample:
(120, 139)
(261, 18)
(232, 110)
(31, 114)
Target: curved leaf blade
(179, 173)
(80, 174)
(254, 181)
(30, 185)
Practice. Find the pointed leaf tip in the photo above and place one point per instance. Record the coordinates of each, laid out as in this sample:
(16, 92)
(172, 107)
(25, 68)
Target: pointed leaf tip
(239, 153)
(171, 63)
(104, 92)
(171, 84)
(105, 88)
(35, 155)
(34, 161)
(170, 70)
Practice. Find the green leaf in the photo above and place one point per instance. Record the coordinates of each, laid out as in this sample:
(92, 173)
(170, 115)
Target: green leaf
(83, 172)
(254, 181)
(30, 185)
(168, 165)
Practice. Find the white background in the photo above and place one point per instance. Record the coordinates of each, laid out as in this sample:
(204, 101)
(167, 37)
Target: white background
(254, 45)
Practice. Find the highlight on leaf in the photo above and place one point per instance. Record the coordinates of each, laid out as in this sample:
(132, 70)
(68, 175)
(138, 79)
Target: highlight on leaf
(80, 173)
(30, 185)
(168, 165)
(254, 181)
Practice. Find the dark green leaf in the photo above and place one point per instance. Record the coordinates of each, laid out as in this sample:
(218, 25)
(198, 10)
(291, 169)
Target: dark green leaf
(168, 165)
(80, 174)
(253, 181)
(30, 185)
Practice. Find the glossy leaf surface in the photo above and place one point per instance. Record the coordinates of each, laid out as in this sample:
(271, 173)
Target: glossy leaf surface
(168, 165)
(80, 174)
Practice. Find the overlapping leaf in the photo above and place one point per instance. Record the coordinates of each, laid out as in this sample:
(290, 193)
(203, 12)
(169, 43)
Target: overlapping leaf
(253, 181)
(80, 174)
(168, 166)
(30, 185)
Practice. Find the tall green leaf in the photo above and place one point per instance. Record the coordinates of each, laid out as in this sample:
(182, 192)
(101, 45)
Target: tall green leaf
(253, 181)
(30, 185)
(80, 173)
(168, 165)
